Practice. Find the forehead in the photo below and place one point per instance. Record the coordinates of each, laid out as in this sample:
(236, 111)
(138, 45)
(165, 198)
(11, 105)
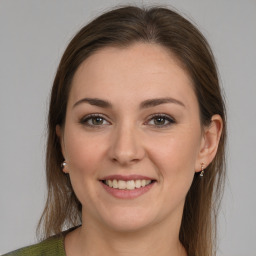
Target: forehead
(139, 71)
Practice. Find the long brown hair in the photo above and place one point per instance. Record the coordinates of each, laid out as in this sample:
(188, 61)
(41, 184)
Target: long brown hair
(121, 27)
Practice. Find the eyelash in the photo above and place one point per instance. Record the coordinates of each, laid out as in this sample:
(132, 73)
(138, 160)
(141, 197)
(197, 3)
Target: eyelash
(165, 117)
(85, 120)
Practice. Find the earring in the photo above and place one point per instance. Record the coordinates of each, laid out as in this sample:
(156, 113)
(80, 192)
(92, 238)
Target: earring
(63, 164)
(202, 170)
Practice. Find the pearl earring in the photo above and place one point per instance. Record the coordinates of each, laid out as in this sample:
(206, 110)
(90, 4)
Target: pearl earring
(63, 164)
(202, 170)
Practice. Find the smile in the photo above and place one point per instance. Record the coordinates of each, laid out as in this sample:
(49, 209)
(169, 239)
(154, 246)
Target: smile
(127, 185)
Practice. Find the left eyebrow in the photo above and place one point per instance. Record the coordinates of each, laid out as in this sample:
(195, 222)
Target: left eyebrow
(155, 102)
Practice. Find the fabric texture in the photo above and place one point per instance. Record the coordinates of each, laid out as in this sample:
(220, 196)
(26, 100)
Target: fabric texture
(53, 246)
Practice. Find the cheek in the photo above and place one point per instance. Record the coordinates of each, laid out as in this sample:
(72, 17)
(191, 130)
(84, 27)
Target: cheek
(84, 155)
(175, 157)
(82, 152)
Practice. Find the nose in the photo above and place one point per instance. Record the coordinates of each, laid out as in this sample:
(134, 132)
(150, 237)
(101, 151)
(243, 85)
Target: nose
(126, 145)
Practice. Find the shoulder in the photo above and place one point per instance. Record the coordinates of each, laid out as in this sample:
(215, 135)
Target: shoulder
(53, 246)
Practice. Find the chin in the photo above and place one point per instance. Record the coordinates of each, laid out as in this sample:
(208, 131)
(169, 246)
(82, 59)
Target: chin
(128, 225)
(129, 219)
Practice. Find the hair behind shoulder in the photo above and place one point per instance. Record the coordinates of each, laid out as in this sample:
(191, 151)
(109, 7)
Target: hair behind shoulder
(121, 27)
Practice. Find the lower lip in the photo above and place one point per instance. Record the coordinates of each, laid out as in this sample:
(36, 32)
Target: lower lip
(126, 193)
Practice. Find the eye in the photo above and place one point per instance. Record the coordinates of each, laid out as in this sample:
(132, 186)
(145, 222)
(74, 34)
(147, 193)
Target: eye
(160, 120)
(94, 120)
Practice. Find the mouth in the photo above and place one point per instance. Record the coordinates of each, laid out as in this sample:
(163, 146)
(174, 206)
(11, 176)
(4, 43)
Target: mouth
(127, 184)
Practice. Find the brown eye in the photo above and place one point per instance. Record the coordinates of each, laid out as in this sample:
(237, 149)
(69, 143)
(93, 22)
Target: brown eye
(94, 120)
(97, 120)
(160, 121)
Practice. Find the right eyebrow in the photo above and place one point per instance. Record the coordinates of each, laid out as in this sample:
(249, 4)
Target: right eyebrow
(95, 102)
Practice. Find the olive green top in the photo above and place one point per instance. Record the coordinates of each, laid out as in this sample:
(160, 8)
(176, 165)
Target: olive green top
(53, 246)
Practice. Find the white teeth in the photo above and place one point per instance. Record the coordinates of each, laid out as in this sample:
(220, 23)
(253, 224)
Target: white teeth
(130, 184)
(148, 182)
(110, 183)
(115, 185)
(137, 183)
(121, 184)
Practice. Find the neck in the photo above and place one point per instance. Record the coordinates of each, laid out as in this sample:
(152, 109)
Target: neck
(91, 240)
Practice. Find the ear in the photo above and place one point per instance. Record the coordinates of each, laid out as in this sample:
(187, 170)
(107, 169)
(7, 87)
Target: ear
(58, 130)
(59, 133)
(209, 143)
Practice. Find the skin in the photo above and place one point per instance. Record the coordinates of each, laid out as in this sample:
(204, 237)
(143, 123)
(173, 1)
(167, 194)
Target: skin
(127, 141)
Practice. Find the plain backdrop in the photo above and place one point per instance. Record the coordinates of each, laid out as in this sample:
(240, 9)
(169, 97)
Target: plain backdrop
(33, 36)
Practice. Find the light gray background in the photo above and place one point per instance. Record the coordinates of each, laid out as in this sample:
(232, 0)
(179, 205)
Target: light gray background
(33, 36)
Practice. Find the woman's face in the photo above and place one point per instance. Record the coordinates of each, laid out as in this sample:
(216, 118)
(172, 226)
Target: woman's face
(132, 137)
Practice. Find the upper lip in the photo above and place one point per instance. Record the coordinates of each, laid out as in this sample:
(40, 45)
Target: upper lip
(127, 177)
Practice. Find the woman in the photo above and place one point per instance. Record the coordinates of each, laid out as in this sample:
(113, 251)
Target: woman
(136, 138)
